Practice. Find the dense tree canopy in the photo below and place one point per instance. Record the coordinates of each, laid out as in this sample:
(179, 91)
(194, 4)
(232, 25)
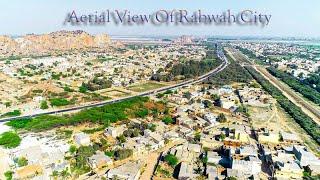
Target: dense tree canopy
(104, 115)
(307, 91)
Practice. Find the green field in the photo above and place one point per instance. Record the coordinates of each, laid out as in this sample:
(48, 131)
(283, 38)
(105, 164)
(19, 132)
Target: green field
(145, 87)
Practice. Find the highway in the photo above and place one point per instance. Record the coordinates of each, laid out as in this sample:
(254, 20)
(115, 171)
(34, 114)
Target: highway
(201, 78)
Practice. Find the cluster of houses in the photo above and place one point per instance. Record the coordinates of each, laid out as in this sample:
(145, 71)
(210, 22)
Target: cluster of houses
(38, 158)
(205, 145)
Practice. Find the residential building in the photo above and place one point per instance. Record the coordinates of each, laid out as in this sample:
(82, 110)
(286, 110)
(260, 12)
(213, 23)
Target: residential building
(82, 139)
(128, 171)
(99, 160)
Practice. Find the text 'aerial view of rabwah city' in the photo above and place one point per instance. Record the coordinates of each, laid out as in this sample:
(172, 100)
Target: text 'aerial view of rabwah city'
(159, 90)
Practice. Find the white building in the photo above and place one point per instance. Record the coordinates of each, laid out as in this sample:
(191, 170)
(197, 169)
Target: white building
(211, 118)
(128, 171)
(115, 131)
(186, 171)
(213, 157)
(82, 139)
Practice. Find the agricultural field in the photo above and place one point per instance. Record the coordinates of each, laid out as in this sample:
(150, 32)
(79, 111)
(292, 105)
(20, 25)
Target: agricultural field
(145, 86)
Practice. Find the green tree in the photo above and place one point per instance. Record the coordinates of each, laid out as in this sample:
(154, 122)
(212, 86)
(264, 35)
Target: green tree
(109, 153)
(222, 136)
(8, 175)
(72, 149)
(197, 137)
(121, 138)
(9, 139)
(167, 120)
(172, 160)
(65, 174)
(207, 103)
(187, 95)
(123, 153)
(103, 142)
(152, 127)
(83, 88)
(221, 118)
(22, 161)
(44, 105)
(7, 104)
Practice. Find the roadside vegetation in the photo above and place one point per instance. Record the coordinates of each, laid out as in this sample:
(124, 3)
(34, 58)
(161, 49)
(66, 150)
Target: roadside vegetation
(61, 102)
(44, 105)
(232, 73)
(251, 55)
(308, 92)
(311, 127)
(12, 113)
(313, 81)
(111, 113)
(188, 69)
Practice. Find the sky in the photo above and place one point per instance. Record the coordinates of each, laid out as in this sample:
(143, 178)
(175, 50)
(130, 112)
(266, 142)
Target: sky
(290, 18)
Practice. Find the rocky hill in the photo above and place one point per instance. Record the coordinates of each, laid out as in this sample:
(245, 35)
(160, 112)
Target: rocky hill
(59, 41)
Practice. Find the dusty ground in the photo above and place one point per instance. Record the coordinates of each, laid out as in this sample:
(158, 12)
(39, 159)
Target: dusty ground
(146, 86)
(278, 120)
(310, 109)
(115, 92)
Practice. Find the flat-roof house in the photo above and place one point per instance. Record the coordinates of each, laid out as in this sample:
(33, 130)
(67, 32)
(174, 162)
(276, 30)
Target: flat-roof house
(305, 157)
(289, 137)
(212, 172)
(28, 171)
(99, 160)
(247, 167)
(128, 171)
(211, 118)
(213, 157)
(82, 139)
(186, 171)
(115, 131)
(289, 170)
(247, 151)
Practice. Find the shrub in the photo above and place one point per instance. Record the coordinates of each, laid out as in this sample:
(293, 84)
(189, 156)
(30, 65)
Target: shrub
(60, 102)
(167, 120)
(44, 105)
(10, 139)
(172, 160)
(123, 153)
(12, 113)
(8, 175)
(22, 161)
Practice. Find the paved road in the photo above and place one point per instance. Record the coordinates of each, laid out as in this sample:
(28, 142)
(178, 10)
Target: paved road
(147, 93)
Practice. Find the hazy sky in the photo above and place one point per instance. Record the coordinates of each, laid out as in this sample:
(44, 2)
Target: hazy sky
(289, 17)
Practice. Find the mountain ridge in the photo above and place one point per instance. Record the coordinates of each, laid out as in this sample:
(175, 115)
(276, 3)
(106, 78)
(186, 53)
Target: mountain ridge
(58, 41)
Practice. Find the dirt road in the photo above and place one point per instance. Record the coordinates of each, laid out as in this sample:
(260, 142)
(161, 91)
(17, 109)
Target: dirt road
(152, 159)
(312, 110)
(306, 107)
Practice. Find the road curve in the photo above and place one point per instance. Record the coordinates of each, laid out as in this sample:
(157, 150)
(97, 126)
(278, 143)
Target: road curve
(147, 93)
